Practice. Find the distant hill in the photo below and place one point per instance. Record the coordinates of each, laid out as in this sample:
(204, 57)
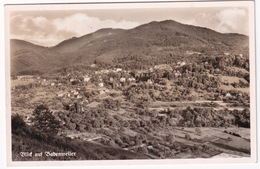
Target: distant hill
(27, 57)
(146, 44)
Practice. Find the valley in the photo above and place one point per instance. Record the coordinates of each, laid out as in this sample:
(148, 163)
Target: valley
(163, 94)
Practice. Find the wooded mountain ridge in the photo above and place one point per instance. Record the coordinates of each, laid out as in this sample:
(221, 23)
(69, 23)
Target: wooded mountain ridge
(149, 44)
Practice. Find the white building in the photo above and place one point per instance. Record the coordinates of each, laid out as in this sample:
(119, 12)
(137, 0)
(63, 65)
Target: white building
(182, 64)
(93, 65)
(79, 97)
(111, 79)
(131, 79)
(60, 94)
(122, 79)
(101, 84)
(228, 95)
(118, 69)
(86, 79)
(149, 81)
(226, 53)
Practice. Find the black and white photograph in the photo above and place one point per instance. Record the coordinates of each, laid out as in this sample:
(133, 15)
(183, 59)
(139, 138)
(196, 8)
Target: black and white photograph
(121, 82)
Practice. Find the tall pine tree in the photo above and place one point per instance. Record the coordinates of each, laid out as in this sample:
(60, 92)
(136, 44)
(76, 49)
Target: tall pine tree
(44, 121)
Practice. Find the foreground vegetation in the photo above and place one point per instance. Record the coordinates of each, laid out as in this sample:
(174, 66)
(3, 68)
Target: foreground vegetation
(28, 139)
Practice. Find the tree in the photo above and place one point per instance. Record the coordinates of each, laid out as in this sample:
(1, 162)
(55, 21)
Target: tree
(198, 131)
(44, 120)
(170, 138)
(17, 122)
(187, 136)
(142, 150)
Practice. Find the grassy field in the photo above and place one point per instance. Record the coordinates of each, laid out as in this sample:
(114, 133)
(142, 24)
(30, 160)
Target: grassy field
(18, 82)
(232, 79)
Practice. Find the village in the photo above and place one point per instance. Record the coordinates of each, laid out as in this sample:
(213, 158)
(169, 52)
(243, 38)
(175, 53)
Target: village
(165, 111)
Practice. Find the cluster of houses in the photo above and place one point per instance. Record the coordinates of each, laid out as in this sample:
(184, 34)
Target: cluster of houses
(72, 86)
(114, 78)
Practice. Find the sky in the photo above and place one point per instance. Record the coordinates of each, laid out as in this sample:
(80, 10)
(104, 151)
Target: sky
(50, 27)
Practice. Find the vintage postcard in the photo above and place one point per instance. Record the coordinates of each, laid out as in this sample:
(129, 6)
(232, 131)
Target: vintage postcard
(113, 83)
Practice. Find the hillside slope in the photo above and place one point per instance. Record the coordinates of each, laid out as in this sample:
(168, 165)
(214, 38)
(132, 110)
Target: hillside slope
(30, 140)
(30, 58)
